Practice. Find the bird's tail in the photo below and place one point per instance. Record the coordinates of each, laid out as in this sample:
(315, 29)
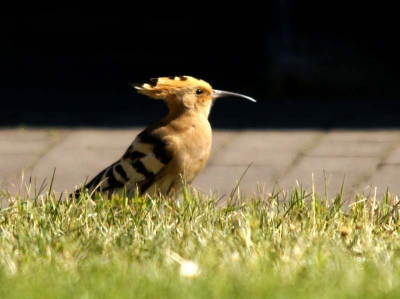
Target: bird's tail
(99, 182)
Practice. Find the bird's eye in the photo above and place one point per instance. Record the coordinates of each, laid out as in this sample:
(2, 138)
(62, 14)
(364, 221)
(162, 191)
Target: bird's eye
(199, 91)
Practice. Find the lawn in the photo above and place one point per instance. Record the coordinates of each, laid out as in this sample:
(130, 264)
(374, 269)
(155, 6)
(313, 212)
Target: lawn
(280, 245)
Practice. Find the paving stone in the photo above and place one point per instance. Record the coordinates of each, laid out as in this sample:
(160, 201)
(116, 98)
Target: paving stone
(80, 156)
(222, 179)
(328, 148)
(269, 148)
(220, 140)
(367, 136)
(19, 148)
(336, 168)
(388, 176)
(394, 157)
(97, 139)
(271, 140)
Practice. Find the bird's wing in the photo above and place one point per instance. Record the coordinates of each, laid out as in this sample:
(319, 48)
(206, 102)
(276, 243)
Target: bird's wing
(145, 158)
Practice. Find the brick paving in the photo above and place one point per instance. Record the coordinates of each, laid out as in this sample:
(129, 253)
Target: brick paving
(280, 158)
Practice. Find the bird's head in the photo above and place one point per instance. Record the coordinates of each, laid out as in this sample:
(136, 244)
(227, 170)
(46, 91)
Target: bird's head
(184, 93)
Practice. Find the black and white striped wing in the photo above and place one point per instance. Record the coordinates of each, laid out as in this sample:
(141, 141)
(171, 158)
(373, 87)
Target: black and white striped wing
(141, 164)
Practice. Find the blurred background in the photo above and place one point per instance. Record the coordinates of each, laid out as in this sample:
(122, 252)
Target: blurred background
(308, 64)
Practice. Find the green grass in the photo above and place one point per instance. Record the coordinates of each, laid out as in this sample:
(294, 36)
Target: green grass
(284, 245)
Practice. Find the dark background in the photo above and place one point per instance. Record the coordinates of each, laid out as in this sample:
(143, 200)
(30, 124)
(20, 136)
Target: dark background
(308, 65)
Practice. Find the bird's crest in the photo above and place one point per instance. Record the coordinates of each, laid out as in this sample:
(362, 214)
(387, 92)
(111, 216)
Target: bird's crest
(163, 87)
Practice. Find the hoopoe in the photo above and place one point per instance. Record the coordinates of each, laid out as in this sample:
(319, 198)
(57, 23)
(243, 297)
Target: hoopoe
(175, 148)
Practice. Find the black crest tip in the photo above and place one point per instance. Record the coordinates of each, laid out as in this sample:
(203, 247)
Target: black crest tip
(153, 81)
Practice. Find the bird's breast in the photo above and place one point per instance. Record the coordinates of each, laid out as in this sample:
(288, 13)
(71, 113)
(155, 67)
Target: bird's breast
(199, 148)
(193, 149)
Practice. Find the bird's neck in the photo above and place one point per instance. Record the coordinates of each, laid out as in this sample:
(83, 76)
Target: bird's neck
(177, 112)
(184, 120)
(186, 115)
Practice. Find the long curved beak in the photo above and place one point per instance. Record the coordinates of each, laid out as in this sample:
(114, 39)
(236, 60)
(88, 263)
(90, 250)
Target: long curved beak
(220, 93)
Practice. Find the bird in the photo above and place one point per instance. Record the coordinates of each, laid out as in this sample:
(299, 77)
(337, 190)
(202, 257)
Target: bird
(171, 151)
